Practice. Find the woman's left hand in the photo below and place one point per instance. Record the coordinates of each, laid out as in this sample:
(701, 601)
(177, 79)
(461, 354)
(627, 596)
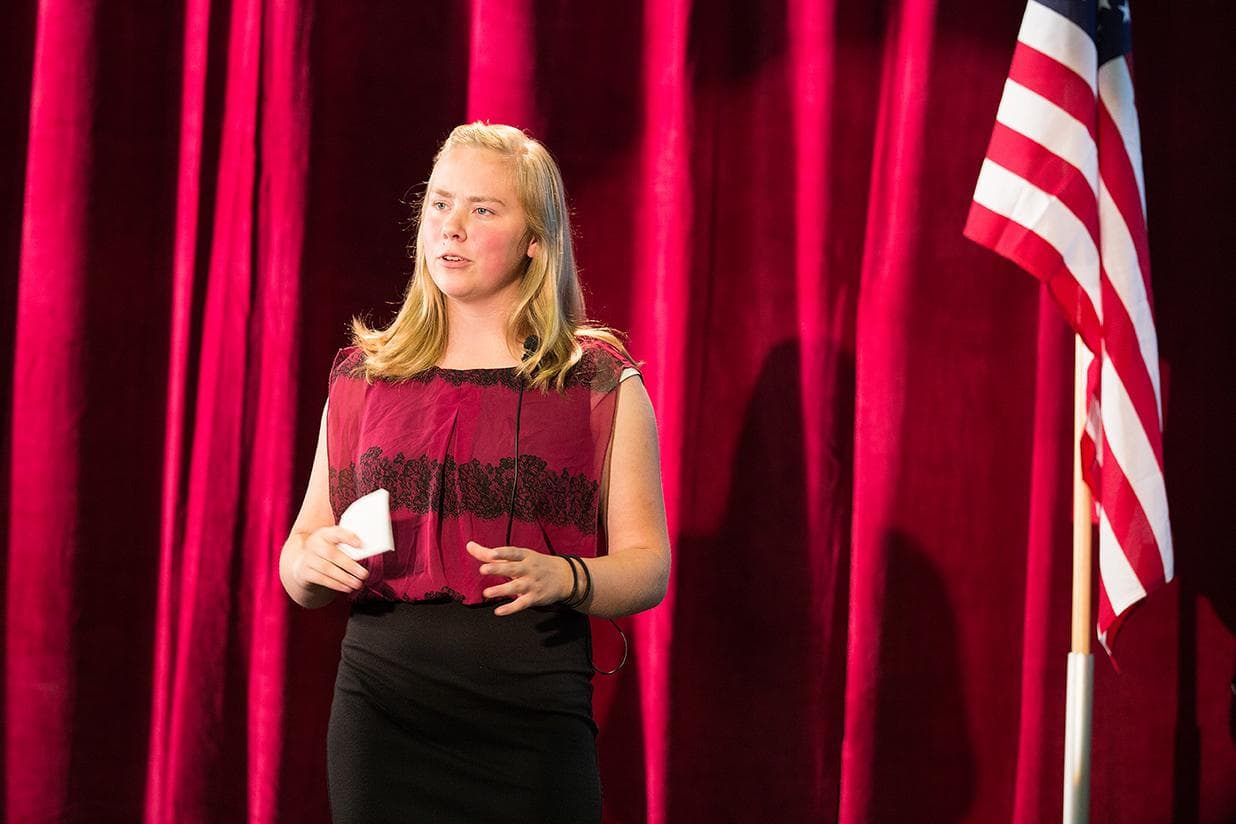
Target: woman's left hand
(537, 579)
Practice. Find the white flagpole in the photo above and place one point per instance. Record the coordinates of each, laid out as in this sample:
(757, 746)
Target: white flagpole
(1080, 692)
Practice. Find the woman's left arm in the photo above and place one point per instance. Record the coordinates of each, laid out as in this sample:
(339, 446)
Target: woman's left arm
(634, 575)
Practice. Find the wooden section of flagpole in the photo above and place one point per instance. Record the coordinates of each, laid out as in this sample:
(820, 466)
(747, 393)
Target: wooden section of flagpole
(1079, 698)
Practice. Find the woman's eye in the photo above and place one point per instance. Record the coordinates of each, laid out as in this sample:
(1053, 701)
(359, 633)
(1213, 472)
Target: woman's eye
(481, 210)
(438, 205)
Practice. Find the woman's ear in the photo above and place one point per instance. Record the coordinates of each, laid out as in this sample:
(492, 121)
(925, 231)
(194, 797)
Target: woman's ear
(532, 247)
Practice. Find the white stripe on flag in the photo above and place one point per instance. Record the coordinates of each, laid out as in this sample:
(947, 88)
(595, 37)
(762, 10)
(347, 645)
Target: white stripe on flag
(1041, 120)
(1116, 576)
(1094, 421)
(1060, 38)
(1019, 200)
(1125, 275)
(1131, 450)
(1116, 92)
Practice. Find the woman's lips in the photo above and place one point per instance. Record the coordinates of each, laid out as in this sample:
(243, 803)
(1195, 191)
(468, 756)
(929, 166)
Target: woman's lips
(452, 260)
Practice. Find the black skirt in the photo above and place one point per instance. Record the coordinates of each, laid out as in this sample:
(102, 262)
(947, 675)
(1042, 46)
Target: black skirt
(445, 712)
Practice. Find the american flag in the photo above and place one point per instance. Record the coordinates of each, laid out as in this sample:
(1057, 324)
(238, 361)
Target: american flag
(1061, 194)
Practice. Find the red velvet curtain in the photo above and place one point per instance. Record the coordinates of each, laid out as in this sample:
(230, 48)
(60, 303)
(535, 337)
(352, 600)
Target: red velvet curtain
(864, 418)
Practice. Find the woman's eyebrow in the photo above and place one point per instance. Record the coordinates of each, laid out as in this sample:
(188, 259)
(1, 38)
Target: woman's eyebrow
(471, 198)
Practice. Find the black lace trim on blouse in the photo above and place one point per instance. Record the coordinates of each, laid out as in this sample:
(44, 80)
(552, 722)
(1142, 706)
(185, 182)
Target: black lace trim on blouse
(348, 366)
(424, 485)
(381, 598)
(504, 376)
(443, 593)
(598, 369)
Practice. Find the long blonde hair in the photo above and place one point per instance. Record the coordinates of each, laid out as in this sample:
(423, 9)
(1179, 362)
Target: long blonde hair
(550, 305)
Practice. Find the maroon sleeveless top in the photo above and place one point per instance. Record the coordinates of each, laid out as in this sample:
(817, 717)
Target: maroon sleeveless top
(443, 442)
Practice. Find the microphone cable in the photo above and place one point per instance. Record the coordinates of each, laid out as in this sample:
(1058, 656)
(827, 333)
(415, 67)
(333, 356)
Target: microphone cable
(530, 344)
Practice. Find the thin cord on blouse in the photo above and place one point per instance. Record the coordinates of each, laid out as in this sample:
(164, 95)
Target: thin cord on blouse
(530, 345)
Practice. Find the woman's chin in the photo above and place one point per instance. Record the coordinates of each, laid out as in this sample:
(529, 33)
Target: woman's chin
(462, 289)
(452, 285)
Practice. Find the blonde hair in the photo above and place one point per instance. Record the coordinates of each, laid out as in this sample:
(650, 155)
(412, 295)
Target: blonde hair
(549, 306)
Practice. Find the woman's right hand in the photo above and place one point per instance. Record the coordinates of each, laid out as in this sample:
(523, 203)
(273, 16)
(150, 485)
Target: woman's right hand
(320, 562)
(312, 567)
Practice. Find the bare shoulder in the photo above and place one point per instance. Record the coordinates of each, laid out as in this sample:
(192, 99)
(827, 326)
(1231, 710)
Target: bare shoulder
(634, 402)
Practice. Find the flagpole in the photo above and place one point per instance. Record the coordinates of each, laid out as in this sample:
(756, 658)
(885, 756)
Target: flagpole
(1080, 690)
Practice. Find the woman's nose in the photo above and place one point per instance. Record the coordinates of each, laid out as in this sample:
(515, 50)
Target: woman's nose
(453, 226)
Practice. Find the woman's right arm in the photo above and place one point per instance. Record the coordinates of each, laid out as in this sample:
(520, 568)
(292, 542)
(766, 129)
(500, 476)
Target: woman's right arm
(312, 568)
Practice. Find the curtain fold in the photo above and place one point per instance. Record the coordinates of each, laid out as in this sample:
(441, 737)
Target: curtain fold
(824, 303)
(270, 506)
(502, 63)
(40, 676)
(659, 284)
(207, 594)
(864, 419)
(1040, 747)
(222, 615)
(883, 339)
(188, 184)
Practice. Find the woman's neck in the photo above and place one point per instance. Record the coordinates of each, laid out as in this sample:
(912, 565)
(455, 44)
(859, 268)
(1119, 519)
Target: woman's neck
(477, 338)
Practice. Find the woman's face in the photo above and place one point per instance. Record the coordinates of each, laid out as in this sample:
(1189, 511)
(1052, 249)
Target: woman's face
(473, 230)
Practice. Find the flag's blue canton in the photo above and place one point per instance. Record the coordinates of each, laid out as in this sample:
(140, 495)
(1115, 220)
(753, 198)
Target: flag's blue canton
(1115, 34)
(1106, 21)
(1081, 12)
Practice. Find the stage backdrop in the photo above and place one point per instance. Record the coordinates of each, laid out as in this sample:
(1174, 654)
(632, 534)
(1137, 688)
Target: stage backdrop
(864, 418)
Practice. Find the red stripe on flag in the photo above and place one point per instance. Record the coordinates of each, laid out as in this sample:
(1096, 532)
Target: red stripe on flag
(1121, 182)
(1088, 450)
(1129, 522)
(1122, 349)
(1108, 620)
(1054, 81)
(1048, 171)
(1039, 258)
(1090, 468)
(1109, 624)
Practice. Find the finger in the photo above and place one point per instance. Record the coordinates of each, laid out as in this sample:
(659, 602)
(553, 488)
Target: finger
(509, 569)
(339, 535)
(325, 544)
(319, 578)
(328, 546)
(511, 589)
(352, 567)
(495, 553)
(508, 553)
(346, 562)
(519, 604)
(338, 573)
